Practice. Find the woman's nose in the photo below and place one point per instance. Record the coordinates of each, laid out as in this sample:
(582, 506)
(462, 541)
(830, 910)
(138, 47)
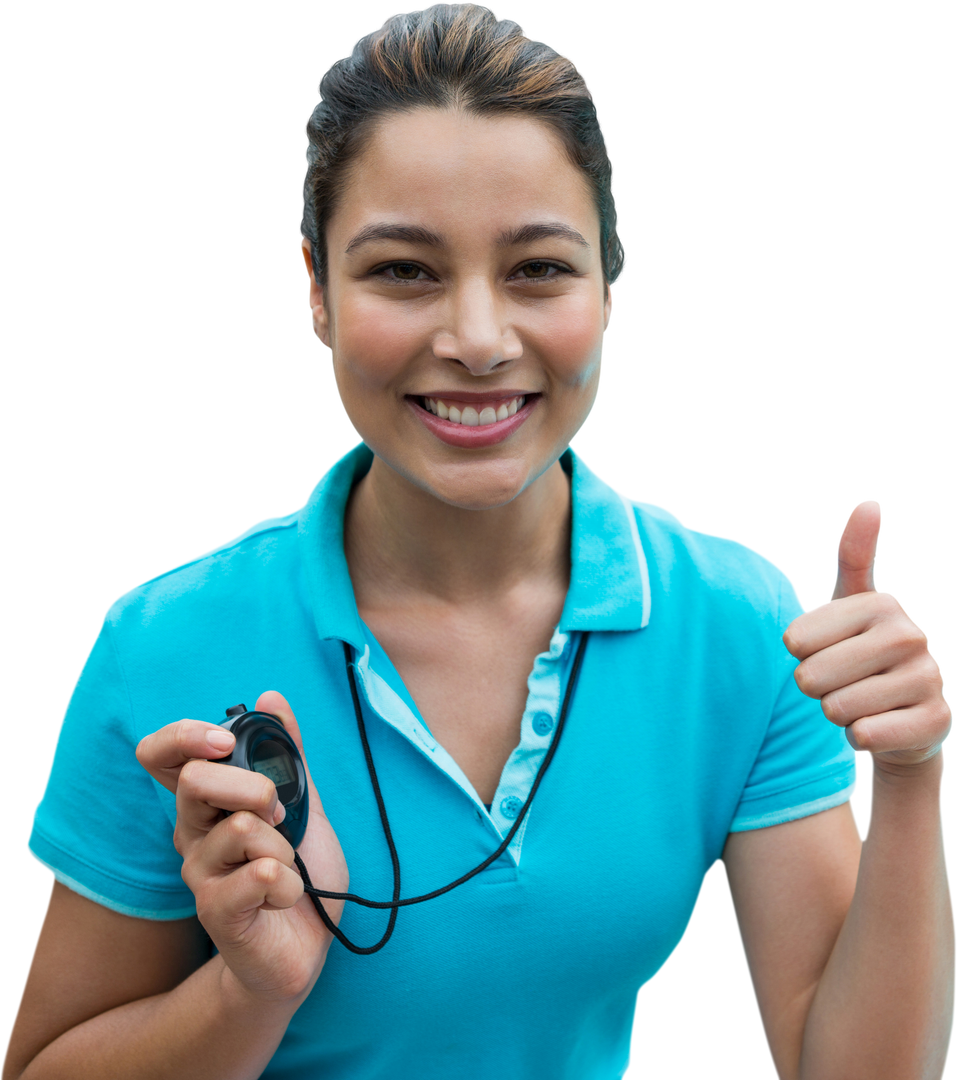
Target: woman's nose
(477, 332)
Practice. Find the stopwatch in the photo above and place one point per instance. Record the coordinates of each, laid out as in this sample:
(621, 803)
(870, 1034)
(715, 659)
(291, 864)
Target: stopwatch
(263, 745)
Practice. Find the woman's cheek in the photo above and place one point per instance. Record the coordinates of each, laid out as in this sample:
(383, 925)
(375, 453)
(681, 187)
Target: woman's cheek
(570, 342)
(378, 343)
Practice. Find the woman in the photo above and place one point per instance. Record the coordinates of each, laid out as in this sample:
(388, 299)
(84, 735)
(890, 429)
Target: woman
(483, 589)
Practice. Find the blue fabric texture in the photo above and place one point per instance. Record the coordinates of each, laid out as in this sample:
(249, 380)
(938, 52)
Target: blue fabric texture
(686, 725)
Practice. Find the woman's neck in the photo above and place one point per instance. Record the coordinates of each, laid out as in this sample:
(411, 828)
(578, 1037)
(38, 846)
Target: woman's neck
(401, 542)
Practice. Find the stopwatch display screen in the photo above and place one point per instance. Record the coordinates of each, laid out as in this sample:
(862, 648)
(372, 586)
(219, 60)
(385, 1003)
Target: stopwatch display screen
(272, 759)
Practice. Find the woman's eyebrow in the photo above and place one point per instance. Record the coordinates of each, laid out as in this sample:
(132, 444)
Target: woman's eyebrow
(417, 234)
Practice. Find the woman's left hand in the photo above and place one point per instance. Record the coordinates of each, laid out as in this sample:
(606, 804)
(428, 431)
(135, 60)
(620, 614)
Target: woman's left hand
(868, 663)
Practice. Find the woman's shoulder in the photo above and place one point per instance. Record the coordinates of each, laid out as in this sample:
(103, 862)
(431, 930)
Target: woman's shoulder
(683, 558)
(261, 548)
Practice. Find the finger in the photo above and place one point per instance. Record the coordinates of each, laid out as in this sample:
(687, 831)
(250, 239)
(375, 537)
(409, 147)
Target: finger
(826, 624)
(279, 886)
(876, 696)
(851, 616)
(912, 733)
(165, 752)
(243, 865)
(206, 790)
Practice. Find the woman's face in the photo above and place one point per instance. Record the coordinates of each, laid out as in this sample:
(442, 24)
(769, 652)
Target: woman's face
(464, 302)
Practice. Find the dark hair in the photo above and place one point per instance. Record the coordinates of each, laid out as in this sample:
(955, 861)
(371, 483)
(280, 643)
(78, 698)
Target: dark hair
(450, 56)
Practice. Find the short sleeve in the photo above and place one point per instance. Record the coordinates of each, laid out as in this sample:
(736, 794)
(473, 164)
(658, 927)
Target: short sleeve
(805, 763)
(100, 826)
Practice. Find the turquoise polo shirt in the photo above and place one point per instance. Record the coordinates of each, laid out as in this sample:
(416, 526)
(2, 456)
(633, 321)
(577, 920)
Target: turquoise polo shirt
(686, 724)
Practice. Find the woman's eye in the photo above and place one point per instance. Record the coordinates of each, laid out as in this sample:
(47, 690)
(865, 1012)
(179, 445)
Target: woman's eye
(537, 269)
(408, 271)
(405, 268)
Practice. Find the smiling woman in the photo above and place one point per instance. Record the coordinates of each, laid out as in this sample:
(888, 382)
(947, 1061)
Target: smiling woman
(483, 208)
(531, 714)
(450, 277)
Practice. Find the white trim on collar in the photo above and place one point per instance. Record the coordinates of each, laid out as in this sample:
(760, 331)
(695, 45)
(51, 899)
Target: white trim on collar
(642, 561)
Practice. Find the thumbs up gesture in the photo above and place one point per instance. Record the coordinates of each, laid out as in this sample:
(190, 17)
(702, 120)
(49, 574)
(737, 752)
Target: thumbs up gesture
(867, 663)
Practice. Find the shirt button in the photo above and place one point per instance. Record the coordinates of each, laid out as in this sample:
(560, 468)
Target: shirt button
(542, 723)
(510, 807)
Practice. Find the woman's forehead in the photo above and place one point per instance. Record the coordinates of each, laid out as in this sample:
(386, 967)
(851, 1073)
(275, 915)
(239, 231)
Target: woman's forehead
(439, 148)
(455, 172)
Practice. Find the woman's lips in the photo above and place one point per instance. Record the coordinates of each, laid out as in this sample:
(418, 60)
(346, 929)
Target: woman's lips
(468, 421)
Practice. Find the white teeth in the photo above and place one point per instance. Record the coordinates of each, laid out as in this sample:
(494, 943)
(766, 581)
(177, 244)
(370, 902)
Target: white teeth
(472, 417)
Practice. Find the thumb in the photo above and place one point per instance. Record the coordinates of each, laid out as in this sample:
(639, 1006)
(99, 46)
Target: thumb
(855, 556)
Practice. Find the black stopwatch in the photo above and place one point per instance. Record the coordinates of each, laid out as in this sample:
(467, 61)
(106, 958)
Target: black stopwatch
(263, 745)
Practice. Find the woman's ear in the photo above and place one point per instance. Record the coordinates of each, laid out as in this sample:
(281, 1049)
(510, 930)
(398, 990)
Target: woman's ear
(318, 320)
(607, 305)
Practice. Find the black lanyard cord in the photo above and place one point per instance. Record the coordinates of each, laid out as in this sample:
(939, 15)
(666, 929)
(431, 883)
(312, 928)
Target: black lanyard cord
(395, 903)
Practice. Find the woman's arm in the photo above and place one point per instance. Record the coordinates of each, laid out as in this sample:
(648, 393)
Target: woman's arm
(885, 1000)
(206, 1028)
(112, 996)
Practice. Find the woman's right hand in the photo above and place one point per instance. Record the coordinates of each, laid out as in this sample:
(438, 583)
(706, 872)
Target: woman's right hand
(249, 896)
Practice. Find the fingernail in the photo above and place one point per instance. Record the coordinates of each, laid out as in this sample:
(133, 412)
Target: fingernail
(219, 740)
(279, 814)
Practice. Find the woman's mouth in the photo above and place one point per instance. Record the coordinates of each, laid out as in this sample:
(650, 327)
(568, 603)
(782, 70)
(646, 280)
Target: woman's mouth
(473, 421)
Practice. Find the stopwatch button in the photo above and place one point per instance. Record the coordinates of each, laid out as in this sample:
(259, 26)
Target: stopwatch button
(236, 710)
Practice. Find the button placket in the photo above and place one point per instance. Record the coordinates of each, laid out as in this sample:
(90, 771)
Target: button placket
(540, 712)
